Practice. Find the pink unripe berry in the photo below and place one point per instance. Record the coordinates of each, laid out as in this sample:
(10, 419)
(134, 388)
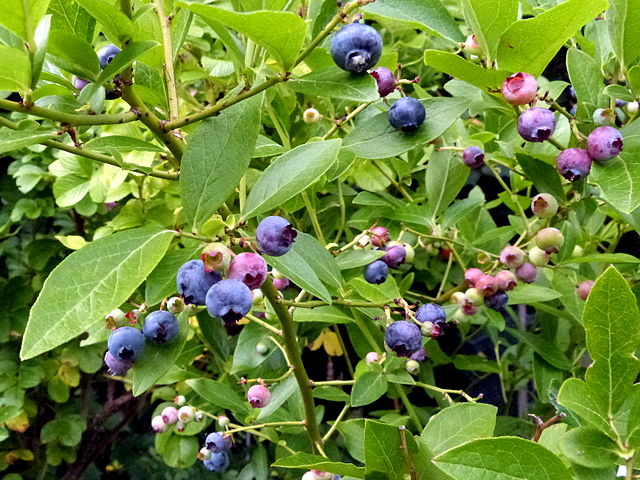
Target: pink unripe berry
(158, 425)
(170, 415)
(506, 280)
(472, 275)
(512, 257)
(519, 89)
(544, 205)
(379, 236)
(468, 308)
(487, 285)
(527, 272)
(280, 283)
(258, 396)
(549, 239)
(472, 46)
(186, 414)
(604, 143)
(372, 357)
(320, 475)
(584, 288)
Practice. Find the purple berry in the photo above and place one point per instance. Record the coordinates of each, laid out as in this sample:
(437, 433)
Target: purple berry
(376, 272)
(536, 124)
(275, 236)
(229, 300)
(248, 268)
(385, 79)
(258, 396)
(194, 283)
(218, 462)
(379, 236)
(574, 164)
(473, 157)
(497, 301)
(80, 83)
(395, 256)
(281, 283)
(419, 355)
(217, 442)
(160, 326)
(431, 312)
(106, 54)
(511, 257)
(126, 343)
(506, 280)
(519, 89)
(170, 415)
(356, 47)
(527, 272)
(117, 366)
(407, 114)
(604, 143)
(487, 285)
(403, 337)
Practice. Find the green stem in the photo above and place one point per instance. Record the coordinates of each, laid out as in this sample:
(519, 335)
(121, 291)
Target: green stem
(335, 424)
(346, 119)
(513, 196)
(293, 353)
(555, 143)
(349, 303)
(169, 72)
(282, 377)
(264, 324)
(446, 391)
(408, 405)
(311, 210)
(262, 425)
(332, 382)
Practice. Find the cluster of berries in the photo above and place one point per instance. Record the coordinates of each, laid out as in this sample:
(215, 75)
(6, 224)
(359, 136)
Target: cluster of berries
(396, 253)
(357, 48)
(215, 453)
(179, 417)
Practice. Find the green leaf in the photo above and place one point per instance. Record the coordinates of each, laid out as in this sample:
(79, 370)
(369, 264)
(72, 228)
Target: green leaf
(307, 461)
(265, 147)
(41, 39)
(334, 82)
(368, 387)
(158, 359)
(489, 19)
(622, 19)
(74, 54)
(333, 394)
(544, 176)
(589, 447)
(619, 178)
(545, 347)
(319, 259)
(162, 281)
(586, 77)
(15, 75)
(531, 294)
(216, 157)
(123, 60)
(324, 314)
(529, 45)
(616, 91)
(89, 283)
(459, 424)
(458, 67)
(221, 395)
(445, 177)
(357, 258)
(375, 138)
(294, 266)
(11, 140)
(290, 174)
(604, 258)
(71, 18)
(180, 451)
(283, 42)
(382, 451)
(245, 356)
(22, 17)
(429, 15)
(70, 190)
(504, 458)
(122, 143)
(115, 24)
(280, 393)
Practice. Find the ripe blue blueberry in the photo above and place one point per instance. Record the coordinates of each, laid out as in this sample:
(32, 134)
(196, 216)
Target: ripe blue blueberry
(160, 326)
(604, 143)
(403, 337)
(275, 236)
(395, 256)
(497, 301)
(385, 79)
(407, 114)
(249, 268)
(217, 442)
(229, 300)
(126, 343)
(115, 365)
(376, 272)
(574, 164)
(473, 157)
(106, 54)
(431, 312)
(356, 47)
(194, 283)
(536, 124)
(218, 462)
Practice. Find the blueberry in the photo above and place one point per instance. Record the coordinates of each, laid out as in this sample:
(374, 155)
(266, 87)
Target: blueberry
(229, 300)
(258, 396)
(126, 343)
(511, 257)
(403, 337)
(117, 366)
(431, 312)
(527, 272)
(519, 89)
(376, 272)
(604, 116)
(385, 79)
(275, 236)
(106, 54)
(281, 283)
(407, 114)
(249, 268)
(218, 462)
(217, 442)
(506, 280)
(395, 256)
(160, 326)
(80, 83)
(419, 355)
(497, 301)
(544, 205)
(487, 285)
(356, 47)
(473, 157)
(574, 164)
(379, 236)
(536, 124)
(604, 143)
(194, 283)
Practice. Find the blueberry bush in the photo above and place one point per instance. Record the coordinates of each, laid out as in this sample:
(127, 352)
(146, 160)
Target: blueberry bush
(365, 239)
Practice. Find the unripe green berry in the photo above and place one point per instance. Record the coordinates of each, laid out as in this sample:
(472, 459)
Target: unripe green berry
(115, 318)
(179, 400)
(578, 251)
(311, 115)
(632, 107)
(175, 305)
(262, 348)
(427, 328)
(412, 366)
(459, 316)
(216, 256)
(258, 296)
(538, 257)
(549, 239)
(458, 297)
(276, 274)
(204, 454)
(474, 295)
(544, 205)
(223, 421)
